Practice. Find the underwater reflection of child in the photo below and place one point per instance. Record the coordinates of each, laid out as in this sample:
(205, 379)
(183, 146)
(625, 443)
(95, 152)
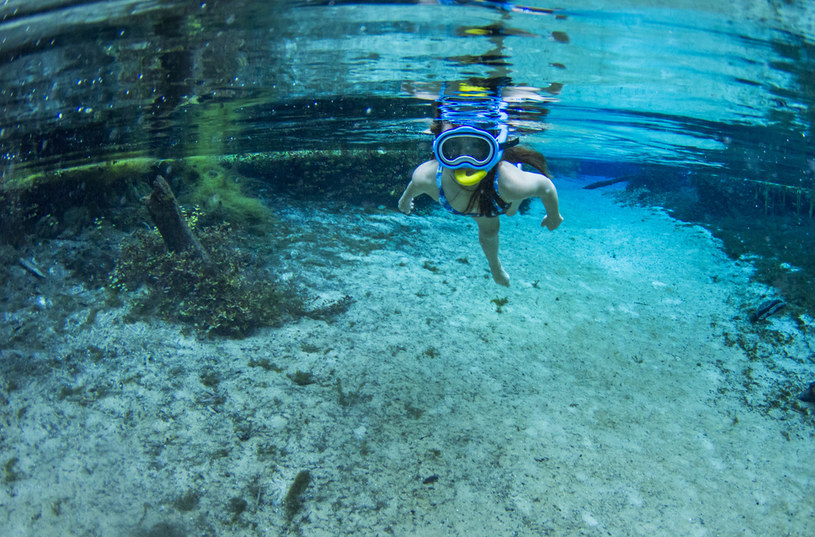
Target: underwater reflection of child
(475, 174)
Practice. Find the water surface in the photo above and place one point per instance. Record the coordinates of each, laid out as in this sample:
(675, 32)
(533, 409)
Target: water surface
(682, 83)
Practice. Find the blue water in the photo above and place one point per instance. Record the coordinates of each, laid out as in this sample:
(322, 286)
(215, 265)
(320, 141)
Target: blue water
(618, 387)
(711, 105)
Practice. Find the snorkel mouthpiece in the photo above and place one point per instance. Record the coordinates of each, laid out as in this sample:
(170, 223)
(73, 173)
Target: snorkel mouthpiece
(468, 177)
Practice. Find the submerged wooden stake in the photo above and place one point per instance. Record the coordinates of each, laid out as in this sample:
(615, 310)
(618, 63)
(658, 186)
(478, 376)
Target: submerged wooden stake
(170, 221)
(766, 199)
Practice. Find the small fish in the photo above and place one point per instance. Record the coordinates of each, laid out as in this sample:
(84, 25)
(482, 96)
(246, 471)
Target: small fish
(767, 308)
(31, 267)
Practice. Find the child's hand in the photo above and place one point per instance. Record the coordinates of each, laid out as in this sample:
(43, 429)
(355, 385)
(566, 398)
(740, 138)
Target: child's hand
(405, 205)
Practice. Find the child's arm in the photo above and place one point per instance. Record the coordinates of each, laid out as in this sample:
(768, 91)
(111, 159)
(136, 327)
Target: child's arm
(422, 182)
(548, 195)
(516, 185)
(406, 201)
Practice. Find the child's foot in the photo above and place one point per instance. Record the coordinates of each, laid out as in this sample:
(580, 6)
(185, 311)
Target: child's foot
(500, 276)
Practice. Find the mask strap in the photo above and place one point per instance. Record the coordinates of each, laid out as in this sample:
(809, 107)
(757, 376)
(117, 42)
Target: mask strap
(509, 143)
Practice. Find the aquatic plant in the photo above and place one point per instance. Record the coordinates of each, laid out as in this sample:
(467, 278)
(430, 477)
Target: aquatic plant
(187, 501)
(431, 352)
(266, 364)
(500, 303)
(228, 296)
(349, 398)
(302, 378)
(429, 265)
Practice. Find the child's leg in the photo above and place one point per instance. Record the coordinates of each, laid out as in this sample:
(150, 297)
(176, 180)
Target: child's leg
(488, 237)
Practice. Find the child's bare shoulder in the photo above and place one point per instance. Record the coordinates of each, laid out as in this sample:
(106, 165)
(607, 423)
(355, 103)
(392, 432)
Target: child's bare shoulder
(425, 172)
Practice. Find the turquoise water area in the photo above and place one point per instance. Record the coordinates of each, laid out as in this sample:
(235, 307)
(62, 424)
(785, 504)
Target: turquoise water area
(332, 366)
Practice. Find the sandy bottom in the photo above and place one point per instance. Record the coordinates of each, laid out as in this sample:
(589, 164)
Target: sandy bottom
(617, 388)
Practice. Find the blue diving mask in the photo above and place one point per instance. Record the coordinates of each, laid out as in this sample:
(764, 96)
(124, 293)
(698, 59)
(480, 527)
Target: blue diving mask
(470, 147)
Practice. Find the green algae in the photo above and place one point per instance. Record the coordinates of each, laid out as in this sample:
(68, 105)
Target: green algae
(222, 194)
(110, 171)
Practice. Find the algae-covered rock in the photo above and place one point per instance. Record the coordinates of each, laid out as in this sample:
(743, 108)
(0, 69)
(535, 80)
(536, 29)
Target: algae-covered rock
(356, 176)
(227, 188)
(108, 172)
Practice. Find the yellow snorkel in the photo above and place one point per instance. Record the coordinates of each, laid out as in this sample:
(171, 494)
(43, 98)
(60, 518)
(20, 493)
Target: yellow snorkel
(468, 177)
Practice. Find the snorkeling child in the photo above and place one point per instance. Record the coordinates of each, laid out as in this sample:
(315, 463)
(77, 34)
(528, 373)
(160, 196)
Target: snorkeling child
(474, 174)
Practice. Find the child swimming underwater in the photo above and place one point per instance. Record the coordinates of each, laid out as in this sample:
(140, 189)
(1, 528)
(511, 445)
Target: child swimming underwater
(474, 174)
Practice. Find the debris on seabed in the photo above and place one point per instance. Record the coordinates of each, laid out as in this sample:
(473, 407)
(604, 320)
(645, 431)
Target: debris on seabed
(31, 267)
